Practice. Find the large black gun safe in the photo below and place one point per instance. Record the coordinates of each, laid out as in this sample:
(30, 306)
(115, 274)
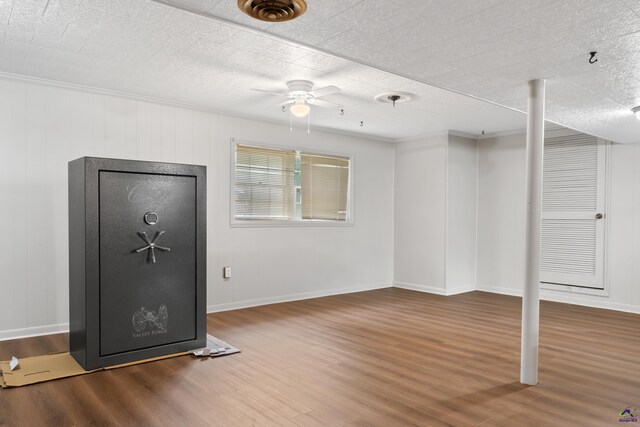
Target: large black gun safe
(137, 260)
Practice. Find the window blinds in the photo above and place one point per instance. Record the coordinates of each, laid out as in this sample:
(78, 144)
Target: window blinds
(264, 183)
(325, 187)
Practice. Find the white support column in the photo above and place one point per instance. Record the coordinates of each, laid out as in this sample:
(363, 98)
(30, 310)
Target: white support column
(531, 297)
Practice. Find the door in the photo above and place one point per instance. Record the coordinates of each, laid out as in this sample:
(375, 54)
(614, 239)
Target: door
(573, 216)
(147, 260)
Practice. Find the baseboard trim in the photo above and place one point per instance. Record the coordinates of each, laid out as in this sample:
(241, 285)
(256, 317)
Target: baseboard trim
(293, 297)
(550, 295)
(64, 327)
(34, 331)
(603, 304)
(431, 289)
(501, 291)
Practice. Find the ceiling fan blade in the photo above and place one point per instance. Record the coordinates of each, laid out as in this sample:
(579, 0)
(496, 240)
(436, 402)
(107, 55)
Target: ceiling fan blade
(323, 91)
(282, 104)
(271, 92)
(324, 104)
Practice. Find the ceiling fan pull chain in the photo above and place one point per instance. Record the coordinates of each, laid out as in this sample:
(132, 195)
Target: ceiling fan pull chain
(308, 115)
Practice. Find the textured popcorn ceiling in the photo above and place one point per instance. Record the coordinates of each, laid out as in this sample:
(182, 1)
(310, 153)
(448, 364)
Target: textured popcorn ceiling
(488, 49)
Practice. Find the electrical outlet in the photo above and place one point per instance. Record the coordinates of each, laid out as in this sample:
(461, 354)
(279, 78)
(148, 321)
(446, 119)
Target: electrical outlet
(226, 273)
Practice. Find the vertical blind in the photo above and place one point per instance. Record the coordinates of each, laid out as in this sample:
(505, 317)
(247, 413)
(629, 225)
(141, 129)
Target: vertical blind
(264, 183)
(325, 187)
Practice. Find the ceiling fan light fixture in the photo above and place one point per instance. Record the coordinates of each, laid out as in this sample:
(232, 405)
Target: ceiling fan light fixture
(300, 108)
(273, 10)
(636, 111)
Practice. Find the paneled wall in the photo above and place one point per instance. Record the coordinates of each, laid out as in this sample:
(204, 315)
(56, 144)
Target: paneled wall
(420, 213)
(42, 127)
(435, 214)
(501, 216)
(462, 183)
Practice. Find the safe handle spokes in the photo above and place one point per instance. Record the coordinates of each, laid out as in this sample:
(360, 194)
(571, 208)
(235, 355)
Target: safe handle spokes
(151, 244)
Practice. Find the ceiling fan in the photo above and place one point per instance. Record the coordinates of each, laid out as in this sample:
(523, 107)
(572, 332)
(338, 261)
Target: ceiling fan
(302, 96)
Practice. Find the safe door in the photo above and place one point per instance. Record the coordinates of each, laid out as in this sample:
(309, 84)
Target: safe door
(148, 277)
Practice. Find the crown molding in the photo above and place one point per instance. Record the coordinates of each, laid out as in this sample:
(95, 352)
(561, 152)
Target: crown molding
(180, 104)
(422, 136)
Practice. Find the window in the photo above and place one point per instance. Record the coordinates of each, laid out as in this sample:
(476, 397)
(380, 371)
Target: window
(264, 183)
(324, 187)
(272, 185)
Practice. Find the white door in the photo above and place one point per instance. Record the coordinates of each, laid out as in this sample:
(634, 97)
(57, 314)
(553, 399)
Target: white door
(573, 216)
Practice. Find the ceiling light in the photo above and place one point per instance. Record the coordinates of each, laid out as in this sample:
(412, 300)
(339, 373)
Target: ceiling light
(300, 108)
(273, 10)
(636, 110)
(395, 97)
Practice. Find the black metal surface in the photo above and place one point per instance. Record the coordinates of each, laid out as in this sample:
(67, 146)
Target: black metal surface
(137, 287)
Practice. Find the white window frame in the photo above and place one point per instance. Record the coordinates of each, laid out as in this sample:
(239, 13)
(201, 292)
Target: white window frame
(233, 222)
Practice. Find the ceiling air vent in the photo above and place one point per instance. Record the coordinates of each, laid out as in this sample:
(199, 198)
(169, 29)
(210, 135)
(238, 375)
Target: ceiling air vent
(273, 10)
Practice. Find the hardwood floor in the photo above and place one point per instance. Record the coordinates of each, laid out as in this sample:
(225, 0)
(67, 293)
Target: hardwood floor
(389, 357)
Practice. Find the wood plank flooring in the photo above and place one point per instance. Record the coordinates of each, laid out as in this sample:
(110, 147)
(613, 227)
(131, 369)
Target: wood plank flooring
(389, 357)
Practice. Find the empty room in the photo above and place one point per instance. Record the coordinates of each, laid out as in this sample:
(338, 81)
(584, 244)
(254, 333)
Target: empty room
(319, 212)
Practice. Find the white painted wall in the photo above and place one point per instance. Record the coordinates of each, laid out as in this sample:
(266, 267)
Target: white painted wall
(501, 211)
(501, 163)
(435, 214)
(43, 127)
(420, 213)
(462, 180)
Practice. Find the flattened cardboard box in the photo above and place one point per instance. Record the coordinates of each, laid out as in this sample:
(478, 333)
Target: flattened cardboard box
(52, 367)
(55, 366)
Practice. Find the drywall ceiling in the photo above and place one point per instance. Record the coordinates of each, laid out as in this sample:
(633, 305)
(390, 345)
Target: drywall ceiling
(154, 50)
(488, 49)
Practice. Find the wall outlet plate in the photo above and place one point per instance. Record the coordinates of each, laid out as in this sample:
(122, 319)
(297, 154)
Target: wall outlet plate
(226, 273)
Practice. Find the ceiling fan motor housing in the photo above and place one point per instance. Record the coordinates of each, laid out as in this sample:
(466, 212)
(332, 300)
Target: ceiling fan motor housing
(299, 87)
(273, 10)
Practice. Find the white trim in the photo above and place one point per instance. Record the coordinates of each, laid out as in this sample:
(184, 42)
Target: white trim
(475, 271)
(607, 212)
(187, 105)
(561, 132)
(420, 288)
(446, 213)
(422, 136)
(571, 289)
(64, 327)
(393, 214)
(431, 289)
(34, 331)
(566, 298)
(215, 308)
(461, 134)
(498, 290)
(458, 291)
(283, 223)
(600, 303)
(522, 131)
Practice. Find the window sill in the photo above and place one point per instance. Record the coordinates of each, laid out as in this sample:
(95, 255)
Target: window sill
(265, 224)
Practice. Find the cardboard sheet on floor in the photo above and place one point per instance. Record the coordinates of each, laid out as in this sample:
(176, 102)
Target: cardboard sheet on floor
(55, 366)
